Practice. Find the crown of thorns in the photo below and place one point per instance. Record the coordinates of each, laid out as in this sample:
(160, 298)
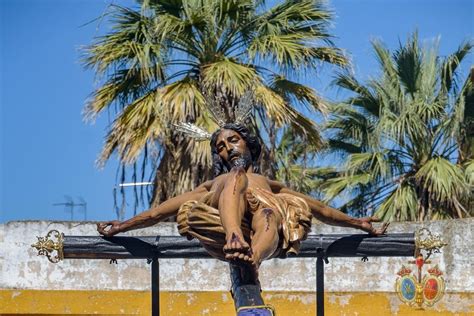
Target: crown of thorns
(241, 113)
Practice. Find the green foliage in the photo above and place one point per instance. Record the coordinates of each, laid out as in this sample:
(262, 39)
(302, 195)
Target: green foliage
(294, 159)
(158, 60)
(402, 134)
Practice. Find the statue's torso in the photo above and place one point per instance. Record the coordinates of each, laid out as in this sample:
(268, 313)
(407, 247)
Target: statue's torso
(254, 181)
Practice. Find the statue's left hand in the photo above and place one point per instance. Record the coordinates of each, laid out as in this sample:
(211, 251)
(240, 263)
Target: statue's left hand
(366, 225)
(113, 230)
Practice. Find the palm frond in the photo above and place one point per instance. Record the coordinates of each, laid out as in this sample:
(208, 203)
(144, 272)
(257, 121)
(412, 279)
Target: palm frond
(342, 148)
(306, 128)
(274, 105)
(374, 163)
(130, 46)
(451, 63)
(351, 125)
(364, 98)
(182, 100)
(400, 205)
(442, 180)
(408, 59)
(125, 86)
(288, 34)
(138, 124)
(385, 61)
(298, 92)
(347, 182)
(232, 77)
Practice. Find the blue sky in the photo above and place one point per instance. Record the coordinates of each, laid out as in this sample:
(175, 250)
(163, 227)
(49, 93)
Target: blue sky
(46, 149)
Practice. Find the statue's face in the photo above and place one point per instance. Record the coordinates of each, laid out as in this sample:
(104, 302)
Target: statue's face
(233, 149)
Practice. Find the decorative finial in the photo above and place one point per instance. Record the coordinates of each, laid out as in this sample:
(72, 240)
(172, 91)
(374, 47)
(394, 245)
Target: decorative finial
(46, 246)
(426, 240)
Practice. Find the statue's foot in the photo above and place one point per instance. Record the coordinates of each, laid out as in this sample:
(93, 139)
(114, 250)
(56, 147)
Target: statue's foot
(236, 244)
(240, 257)
(250, 257)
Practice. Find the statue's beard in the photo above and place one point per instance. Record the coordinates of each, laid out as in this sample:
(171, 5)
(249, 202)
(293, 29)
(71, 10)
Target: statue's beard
(243, 161)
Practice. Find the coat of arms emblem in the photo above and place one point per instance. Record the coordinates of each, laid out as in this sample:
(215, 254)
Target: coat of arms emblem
(416, 289)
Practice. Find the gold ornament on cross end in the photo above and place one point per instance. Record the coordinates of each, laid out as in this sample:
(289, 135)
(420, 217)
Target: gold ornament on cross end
(427, 241)
(46, 246)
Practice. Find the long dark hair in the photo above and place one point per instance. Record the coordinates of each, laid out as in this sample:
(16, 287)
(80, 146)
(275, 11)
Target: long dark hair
(253, 144)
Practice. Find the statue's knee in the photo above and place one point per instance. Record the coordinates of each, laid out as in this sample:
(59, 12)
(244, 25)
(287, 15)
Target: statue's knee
(268, 212)
(265, 217)
(264, 213)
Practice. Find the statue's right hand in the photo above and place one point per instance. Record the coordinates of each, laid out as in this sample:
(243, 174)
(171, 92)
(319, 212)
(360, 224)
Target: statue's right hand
(104, 229)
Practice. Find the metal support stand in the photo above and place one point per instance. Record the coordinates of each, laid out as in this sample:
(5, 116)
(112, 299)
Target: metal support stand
(246, 290)
(321, 259)
(155, 287)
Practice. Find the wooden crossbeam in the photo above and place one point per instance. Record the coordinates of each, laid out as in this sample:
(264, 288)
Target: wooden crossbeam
(335, 245)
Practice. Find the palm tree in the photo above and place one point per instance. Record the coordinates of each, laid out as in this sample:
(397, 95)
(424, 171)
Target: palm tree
(295, 163)
(399, 135)
(161, 60)
(466, 136)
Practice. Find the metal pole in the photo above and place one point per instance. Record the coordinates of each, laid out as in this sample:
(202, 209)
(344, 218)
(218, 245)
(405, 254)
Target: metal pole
(155, 287)
(320, 283)
(245, 288)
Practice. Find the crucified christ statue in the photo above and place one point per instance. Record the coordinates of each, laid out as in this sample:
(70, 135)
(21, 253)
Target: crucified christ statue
(241, 216)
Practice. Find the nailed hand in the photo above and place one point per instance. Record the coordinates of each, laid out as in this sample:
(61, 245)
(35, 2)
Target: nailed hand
(366, 225)
(108, 229)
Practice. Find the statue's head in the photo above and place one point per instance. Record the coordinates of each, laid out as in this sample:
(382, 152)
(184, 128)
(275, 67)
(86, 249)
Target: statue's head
(234, 146)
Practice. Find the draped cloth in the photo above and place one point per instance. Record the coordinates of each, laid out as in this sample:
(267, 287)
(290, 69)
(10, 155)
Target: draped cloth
(196, 219)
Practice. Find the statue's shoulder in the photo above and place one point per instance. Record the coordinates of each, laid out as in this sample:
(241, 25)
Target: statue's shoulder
(258, 176)
(207, 185)
(220, 177)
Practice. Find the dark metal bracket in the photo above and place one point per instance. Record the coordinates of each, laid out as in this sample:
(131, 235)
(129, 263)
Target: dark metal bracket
(321, 259)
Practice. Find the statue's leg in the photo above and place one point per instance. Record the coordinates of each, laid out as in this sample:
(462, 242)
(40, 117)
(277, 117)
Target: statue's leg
(232, 207)
(266, 225)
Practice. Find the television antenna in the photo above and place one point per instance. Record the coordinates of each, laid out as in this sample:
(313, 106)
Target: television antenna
(69, 206)
(83, 206)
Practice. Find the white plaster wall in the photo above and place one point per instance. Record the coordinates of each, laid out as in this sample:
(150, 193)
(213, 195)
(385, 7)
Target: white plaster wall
(21, 268)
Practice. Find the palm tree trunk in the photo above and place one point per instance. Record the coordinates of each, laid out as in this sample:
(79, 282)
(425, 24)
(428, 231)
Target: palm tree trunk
(176, 173)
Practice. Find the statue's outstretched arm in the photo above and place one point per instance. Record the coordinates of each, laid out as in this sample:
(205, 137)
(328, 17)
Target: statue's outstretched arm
(152, 216)
(331, 216)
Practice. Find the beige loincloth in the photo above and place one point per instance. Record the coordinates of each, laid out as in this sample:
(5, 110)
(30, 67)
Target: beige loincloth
(196, 219)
